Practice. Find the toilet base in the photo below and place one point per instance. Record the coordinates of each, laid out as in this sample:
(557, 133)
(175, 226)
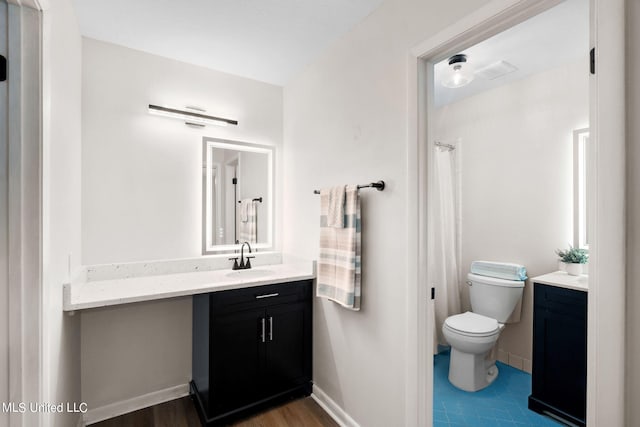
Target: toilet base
(471, 372)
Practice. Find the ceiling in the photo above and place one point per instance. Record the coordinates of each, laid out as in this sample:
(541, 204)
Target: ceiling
(272, 41)
(269, 41)
(555, 37)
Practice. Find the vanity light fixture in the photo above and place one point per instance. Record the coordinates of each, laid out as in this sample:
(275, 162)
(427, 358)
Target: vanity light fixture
(460, 74)
(193, 118)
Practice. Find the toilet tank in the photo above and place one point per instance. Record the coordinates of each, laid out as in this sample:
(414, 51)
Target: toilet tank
(492, 297)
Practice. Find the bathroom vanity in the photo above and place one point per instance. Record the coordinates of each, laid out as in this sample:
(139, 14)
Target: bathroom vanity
(251, 348)
(251, 343)
(559, 375)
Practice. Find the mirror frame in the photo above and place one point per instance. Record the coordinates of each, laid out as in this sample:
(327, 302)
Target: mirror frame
(207, 143)
(580, 193)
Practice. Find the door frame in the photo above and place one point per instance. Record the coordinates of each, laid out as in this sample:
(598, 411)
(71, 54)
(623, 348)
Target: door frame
(606, 308)
(4, 221)
(27, 382)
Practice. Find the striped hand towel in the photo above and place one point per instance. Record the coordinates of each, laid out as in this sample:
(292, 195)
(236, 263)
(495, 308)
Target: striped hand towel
(248, 225)
(339, 259)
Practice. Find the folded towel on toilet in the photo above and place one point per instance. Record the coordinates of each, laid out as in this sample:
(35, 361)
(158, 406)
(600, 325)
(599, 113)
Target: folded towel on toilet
(501, 270)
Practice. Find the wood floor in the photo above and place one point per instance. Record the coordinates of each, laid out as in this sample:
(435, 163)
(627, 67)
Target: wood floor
(181, 413)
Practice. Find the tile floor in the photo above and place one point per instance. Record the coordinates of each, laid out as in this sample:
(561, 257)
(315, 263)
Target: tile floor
(504, 403)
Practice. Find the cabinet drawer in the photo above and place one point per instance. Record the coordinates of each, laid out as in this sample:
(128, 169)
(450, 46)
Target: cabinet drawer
(260, 296)
(553, 298)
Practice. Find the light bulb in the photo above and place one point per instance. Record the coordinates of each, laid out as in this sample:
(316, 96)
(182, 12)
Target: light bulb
(461, 72)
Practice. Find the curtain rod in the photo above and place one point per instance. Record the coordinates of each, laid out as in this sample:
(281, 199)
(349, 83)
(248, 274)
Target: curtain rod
(447, 146)
(377, 185)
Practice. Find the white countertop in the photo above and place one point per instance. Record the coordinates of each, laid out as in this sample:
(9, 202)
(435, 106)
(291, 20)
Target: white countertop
(564, 280)
(101, 293)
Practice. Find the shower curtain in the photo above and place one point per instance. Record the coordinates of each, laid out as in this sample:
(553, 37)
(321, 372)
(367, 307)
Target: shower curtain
(443, 232)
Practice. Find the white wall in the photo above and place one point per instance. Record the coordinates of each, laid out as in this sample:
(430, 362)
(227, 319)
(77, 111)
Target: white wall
(516, 162)
(345, 121)
(633, 216)
(141, 200)
(61, 204)
(131, 350)
(142, 183)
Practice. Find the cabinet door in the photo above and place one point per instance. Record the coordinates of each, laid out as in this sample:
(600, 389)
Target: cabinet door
(237, 359)
(559, 359)
(288, 349)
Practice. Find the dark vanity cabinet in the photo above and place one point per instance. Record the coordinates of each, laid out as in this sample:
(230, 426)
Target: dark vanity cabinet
(251, 349)
(559, 376)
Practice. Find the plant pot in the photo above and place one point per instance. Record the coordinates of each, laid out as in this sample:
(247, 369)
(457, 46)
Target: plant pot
(573, 269)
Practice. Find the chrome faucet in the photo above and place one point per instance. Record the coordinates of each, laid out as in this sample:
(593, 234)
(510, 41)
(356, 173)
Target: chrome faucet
(242, 265)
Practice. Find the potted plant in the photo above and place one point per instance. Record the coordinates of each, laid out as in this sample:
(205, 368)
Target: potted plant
(574, 259)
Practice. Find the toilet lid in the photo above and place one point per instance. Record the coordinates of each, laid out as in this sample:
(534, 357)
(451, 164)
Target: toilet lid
(472, 323)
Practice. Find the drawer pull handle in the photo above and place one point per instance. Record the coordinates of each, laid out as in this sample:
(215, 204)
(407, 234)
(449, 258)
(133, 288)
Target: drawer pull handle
(262, 337)
(267, 295)
(270, 328)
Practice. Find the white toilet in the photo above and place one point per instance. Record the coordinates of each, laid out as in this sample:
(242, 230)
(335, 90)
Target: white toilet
(472, 335)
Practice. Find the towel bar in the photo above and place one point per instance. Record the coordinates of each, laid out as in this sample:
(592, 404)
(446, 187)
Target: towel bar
(258, 199)
(377, 185)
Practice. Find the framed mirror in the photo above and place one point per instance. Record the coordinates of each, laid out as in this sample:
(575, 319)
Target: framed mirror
(237, 195)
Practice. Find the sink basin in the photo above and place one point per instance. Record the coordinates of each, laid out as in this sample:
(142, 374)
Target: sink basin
(250, 273)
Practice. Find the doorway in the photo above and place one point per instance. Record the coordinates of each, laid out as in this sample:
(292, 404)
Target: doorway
(504, 113)
(606, 204)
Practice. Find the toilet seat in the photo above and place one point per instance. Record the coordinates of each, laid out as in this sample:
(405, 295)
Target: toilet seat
(472, 324)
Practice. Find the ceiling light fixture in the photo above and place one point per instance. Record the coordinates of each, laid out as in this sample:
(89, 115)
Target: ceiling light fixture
(192, 118)
(460, 74)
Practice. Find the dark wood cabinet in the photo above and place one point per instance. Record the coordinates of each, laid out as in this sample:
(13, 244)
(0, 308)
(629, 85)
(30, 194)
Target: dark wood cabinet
(251, 349)
(236, 360)
(559, 375)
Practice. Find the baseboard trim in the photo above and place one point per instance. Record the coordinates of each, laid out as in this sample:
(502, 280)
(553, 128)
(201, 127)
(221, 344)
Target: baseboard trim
(111, 410)
(334, 410)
